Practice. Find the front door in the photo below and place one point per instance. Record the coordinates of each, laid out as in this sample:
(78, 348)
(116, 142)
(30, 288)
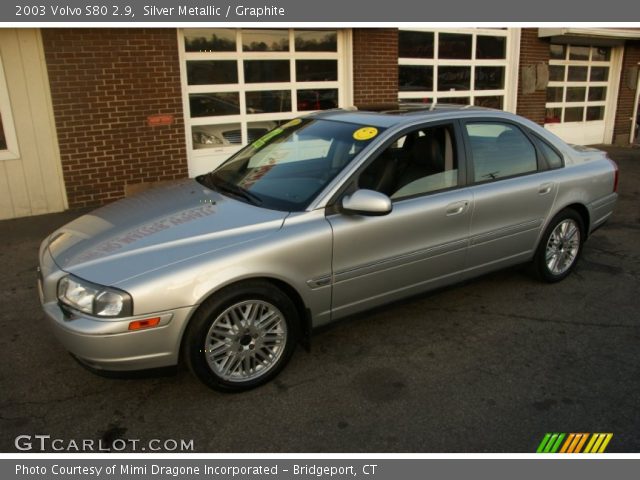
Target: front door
(422, 241)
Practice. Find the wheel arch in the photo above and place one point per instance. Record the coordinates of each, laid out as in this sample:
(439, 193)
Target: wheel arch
(304, 313)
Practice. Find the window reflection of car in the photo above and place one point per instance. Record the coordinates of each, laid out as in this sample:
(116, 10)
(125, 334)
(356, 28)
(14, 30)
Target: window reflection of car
(209, 136)
(317, 100)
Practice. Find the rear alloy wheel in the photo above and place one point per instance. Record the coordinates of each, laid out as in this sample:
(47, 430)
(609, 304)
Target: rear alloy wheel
(242, 337)
(560, 247)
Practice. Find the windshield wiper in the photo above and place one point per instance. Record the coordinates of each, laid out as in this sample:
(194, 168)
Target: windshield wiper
(234, 190)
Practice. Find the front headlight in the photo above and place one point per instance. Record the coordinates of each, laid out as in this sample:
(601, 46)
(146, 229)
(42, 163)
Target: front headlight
(94, 299)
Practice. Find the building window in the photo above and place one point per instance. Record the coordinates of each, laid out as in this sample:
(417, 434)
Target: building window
(464, 66)
(8, 141)
(241, 83)
(578, 83)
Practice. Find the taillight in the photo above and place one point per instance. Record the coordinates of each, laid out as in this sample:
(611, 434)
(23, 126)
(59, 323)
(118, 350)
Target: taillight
(616, 174)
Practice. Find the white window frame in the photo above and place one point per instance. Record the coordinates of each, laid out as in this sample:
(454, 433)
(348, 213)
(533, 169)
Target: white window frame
(565, 84)
(510, 64)
(12, 151)
(342, 55)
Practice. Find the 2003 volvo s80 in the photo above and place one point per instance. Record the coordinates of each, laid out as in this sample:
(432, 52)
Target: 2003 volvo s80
(322, 217)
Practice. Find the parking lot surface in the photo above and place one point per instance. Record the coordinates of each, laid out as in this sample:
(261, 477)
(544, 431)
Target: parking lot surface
(487, 366)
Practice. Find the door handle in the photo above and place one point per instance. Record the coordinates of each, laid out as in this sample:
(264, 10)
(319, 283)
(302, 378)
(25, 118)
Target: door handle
(457, 208)
(545, 188)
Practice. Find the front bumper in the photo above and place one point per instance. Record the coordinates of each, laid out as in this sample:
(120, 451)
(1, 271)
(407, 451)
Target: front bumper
(107, 344)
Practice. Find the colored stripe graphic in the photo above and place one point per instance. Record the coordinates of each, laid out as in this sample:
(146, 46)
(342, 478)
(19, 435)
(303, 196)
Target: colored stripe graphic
(574, 443)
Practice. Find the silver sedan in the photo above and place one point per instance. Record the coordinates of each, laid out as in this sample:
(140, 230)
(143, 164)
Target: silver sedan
(324, 216)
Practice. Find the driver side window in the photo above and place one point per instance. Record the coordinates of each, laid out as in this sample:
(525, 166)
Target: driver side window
(418, 163)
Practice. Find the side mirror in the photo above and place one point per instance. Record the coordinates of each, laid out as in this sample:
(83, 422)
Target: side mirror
(366, 202)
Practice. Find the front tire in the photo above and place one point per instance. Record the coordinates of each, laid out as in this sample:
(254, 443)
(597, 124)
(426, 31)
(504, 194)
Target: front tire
(242, 336)
(560, 246)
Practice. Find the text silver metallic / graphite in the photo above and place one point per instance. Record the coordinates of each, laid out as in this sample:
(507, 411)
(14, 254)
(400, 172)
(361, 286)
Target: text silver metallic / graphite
(214, 11)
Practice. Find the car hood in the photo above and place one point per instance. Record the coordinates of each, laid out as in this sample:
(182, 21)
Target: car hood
(156, 228)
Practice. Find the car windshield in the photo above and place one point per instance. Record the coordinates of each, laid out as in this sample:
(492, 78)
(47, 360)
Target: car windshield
(288, 167)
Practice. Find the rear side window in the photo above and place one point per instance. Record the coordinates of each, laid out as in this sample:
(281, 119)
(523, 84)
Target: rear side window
(499, 150)
(554, 160)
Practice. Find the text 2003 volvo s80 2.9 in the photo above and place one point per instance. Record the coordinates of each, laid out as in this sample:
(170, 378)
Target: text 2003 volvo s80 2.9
(325, 216)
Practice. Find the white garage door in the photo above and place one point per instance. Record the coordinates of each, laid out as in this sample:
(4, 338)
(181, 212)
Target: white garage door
(580, 97)
(464, 66)
(240, 83)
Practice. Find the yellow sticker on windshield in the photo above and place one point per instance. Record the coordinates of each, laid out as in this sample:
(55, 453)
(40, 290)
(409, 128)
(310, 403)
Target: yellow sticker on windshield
(292, 123)
(365, 133)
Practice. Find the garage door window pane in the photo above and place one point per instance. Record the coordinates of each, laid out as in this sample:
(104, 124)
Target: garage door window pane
(265, 40)
(599, 74)
(492, 101)
(573, 114)
(455, 100)
(558, 52)
(454, 78)
(595, 113)
(214, 104)
(489, 78)
(454, 45)
(576, 94)
(415, 77)
(317, 99)
(553, 115)
(207, 72)
(268, 101)
(210, 40)
(597, 94)
(601, 54)
(316, 70)
(579, 53)
(554, 94)
(316, 41)
(212, 136)
(3, 139)
(415, 44)
(556, 73)
(500, 150)
(577, 74)
(266, 71)
(490, 47)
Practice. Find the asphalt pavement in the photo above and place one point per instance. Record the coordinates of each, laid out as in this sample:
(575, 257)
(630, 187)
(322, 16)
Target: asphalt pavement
(490, 365)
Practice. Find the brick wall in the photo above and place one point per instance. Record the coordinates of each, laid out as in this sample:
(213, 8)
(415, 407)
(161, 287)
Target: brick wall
(375, 65)
(104, 84)
(626, 95)
(533, 51)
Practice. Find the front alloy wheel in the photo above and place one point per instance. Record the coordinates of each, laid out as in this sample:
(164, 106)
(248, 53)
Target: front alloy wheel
(242, 336)
(246, 341)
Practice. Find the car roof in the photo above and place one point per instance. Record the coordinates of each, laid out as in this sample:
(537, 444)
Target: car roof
(389, 115)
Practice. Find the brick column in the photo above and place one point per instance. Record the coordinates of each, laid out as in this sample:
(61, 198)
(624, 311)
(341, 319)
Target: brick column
(533, 51)
(104, 85)
(375, 66)
(626, 95)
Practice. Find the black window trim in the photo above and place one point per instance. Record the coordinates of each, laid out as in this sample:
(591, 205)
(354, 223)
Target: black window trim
(537, 140)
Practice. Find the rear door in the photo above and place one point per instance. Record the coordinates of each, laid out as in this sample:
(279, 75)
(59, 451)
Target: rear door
(513, 191)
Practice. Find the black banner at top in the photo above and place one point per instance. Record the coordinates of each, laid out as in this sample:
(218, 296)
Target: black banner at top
(353, 11)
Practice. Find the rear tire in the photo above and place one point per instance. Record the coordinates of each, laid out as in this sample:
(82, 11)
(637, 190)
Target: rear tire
(560, 247)
(242, 336)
